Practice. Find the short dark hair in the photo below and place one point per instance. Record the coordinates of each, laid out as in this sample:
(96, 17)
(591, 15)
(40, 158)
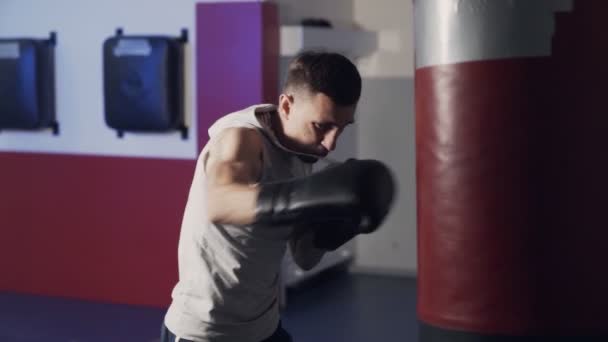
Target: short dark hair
(325, 72)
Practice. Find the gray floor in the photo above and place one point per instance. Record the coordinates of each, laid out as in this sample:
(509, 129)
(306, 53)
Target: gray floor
(342, 307)
(333, 307)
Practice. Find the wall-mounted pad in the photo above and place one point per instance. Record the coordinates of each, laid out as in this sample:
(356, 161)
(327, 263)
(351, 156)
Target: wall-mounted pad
(144, 83)
(27, 83)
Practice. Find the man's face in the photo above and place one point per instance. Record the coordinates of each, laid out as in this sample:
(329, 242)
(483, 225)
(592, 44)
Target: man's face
(312, 123)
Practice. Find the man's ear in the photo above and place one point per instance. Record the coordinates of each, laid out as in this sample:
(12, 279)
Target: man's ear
(285, 103)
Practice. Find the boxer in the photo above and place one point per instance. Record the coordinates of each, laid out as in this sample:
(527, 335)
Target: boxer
(254, 194)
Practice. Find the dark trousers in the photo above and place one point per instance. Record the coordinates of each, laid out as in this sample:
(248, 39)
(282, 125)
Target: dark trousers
(279, 335)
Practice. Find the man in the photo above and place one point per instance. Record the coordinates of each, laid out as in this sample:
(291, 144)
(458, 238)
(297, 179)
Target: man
(253, 194)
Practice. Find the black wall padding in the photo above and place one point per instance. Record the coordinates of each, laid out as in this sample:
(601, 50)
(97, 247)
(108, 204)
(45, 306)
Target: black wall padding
(27, 83)
(143, 83)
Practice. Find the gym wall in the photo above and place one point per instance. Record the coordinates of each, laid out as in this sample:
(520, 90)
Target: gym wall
(86, 214)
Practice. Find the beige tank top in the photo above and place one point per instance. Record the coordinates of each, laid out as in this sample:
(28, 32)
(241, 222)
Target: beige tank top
(229, 275)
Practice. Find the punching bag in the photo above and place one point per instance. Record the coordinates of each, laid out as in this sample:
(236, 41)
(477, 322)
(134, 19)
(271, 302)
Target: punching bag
(512, 169)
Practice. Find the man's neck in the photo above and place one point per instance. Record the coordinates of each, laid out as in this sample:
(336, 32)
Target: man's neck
(277, 128)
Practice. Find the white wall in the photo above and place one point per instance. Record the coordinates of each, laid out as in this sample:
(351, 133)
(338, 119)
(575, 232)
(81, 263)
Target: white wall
(385, 118)
(81, 27)
(386, 130)
(339, 12)
(393, 20)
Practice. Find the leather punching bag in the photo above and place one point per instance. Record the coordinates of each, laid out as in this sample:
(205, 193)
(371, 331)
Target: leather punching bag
(512, 169)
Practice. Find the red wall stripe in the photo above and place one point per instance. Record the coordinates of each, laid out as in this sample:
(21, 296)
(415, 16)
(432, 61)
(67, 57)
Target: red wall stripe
(90, 227)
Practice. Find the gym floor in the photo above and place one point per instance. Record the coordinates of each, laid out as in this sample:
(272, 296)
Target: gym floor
(336, 306)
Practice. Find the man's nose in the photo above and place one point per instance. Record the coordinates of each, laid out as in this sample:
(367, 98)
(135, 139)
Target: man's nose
(330, 140)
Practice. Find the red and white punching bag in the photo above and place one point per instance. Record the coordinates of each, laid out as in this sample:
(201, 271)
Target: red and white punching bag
(512, 169)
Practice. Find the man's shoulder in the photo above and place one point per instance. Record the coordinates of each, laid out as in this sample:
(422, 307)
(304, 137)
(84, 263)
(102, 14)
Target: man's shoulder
(245, 137)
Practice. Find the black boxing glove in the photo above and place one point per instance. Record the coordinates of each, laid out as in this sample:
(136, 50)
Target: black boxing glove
(357, 191)
(332, 235)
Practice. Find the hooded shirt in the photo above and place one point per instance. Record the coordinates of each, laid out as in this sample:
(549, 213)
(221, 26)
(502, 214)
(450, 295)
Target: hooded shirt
(229, 275)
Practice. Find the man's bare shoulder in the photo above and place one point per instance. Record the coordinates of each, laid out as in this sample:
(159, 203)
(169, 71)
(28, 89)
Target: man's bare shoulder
(237, 143)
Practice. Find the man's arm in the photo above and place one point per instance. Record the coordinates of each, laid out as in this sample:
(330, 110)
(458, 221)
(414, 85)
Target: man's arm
(357, 192)
(233, 166)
